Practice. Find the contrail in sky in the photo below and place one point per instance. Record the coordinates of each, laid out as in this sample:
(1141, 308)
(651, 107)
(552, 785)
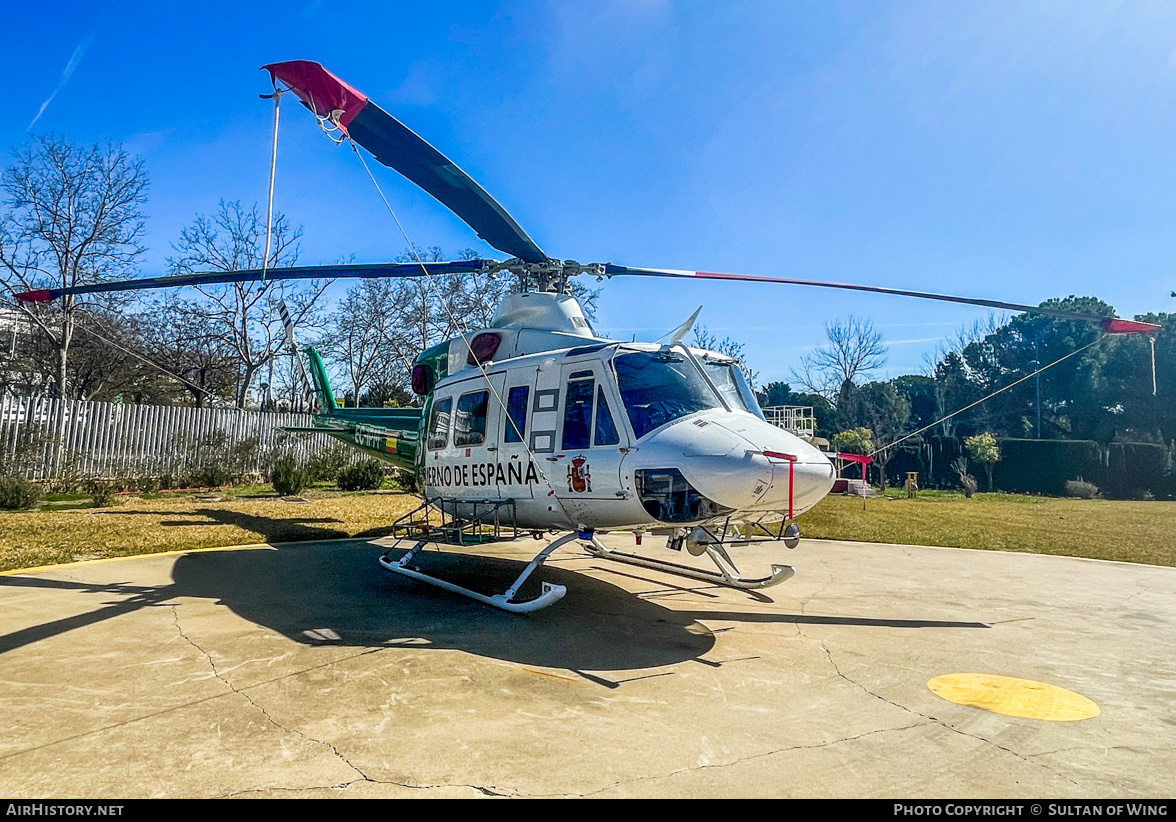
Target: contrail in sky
(79, 52)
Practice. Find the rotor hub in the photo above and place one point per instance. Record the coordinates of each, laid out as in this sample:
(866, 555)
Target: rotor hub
(552, 276)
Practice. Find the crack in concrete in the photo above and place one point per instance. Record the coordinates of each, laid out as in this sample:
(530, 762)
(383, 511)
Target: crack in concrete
(502, 793)
(255, 704)
(817, 592)
(1104, 749)
(734, 762)
(342, 786)
(940, 723)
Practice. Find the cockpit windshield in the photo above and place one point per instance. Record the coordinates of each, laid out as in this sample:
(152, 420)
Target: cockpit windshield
(660, 386)
(729, 378)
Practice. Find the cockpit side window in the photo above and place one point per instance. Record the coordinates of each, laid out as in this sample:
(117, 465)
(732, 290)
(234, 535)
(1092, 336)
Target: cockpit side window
(658, 387)
(729, 378)
(606, 429)
(723, 376)
(439, 423)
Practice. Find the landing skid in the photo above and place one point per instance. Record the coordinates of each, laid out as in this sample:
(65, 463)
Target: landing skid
(504, 601)
(727, 575)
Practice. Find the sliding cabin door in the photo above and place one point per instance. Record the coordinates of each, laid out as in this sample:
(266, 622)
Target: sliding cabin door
(590, 443)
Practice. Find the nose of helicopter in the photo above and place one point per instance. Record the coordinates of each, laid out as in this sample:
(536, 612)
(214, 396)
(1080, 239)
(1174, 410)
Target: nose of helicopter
(744, 463)
(797, 485)
(801, 475)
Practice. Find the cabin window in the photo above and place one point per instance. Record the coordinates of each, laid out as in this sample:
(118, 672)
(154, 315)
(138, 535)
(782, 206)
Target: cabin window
(658, 387)
(439, 423)
(469, 423)
(577, 427)
(606, 429)
(516, 414)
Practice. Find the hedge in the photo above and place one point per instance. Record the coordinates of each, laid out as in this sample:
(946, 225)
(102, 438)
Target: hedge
(1123, 470)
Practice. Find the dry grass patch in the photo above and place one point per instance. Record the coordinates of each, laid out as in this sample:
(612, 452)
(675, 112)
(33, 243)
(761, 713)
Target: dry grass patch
(183, 522)
(1143, 532)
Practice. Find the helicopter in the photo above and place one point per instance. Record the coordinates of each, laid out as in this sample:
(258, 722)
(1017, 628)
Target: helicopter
(535, 424)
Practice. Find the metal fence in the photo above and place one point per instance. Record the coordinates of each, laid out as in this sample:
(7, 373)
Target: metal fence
(799, 419)
(46, 439)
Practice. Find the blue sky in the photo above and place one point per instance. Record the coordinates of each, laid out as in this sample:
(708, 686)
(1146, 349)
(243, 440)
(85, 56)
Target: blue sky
(1012, 150)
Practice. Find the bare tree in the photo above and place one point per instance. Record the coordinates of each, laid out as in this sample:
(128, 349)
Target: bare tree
(360, 338)
(383, 325)
(952, 373)
(73, 219)
(428, 310)
(245, 315)
(183, 343)
(105, 364)
(855, 350)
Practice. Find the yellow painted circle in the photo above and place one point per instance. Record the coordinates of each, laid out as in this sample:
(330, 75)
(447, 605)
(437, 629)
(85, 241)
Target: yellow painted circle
(1014, 697)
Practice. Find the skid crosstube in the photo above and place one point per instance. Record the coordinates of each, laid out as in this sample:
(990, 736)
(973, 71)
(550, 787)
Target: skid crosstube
(504, 601)
(727, 575)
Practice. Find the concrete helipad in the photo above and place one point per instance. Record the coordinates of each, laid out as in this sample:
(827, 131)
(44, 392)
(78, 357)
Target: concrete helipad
(308, 671)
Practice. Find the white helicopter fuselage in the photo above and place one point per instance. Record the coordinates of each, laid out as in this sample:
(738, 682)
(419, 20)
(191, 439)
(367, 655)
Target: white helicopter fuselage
(605, 435)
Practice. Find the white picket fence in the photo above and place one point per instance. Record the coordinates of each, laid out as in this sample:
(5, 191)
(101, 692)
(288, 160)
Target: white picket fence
(45, 439)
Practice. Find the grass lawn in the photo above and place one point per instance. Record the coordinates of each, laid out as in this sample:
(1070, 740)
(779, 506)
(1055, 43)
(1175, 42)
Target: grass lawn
(63, 531)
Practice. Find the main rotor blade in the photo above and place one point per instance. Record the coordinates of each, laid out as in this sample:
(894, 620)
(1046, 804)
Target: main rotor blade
(306, 272)
(397, 147)
(1111, 325)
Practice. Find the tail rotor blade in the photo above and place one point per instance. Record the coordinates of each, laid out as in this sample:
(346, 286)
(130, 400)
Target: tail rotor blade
(288, 324)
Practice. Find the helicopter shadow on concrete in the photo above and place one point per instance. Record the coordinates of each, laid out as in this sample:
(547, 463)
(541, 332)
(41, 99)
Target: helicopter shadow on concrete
(335, 593)
(292, 528)
(119, 599)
